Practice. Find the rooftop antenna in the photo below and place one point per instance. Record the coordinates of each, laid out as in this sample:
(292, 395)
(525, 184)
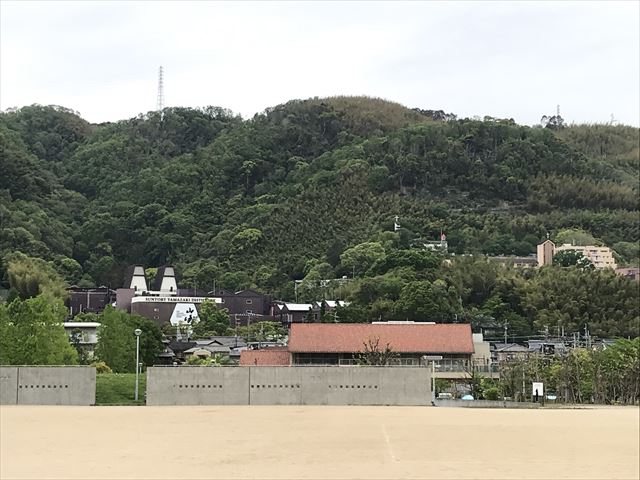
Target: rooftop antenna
(160, 105)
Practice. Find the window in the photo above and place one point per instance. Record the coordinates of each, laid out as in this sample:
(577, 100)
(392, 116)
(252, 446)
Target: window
(248, 311)
(249, 301)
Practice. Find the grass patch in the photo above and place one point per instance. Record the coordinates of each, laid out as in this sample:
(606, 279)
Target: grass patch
(118, 389)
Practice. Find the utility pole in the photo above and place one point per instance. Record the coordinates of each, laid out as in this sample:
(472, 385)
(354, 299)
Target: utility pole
(506, 326)
(587, 336)
(160, 100)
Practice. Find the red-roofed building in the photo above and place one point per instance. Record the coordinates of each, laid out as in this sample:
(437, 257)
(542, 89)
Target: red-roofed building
(339, 343)
(266, 357)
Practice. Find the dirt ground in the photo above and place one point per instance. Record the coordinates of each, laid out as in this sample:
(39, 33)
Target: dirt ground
(42, 442)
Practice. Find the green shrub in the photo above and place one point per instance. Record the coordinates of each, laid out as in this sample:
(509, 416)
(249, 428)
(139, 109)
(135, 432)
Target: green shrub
(101, 367)
(491, 393)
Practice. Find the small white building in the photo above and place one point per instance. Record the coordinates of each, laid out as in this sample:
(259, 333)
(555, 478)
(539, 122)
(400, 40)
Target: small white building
(84, 333)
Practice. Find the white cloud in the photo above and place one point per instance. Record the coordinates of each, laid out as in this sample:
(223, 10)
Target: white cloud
(503, 59)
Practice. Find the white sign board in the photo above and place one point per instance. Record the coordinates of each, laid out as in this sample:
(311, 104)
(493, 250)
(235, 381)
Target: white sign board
(537, 389)
(184, 313)
(175, 299)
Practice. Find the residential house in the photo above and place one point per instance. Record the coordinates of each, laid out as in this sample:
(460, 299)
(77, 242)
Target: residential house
(505, 352)
(329, 307)
(289, 313)
(547, 347)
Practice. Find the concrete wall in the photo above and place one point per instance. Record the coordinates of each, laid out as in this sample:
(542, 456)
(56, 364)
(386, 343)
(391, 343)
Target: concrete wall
(8, 385)
(48, 385)
(197, 386)
(288, 386)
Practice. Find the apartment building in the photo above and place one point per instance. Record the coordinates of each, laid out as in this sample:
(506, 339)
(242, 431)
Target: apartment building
(601, 257)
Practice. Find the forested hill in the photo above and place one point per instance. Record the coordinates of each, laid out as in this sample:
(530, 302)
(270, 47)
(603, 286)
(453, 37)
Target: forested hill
(257, 203)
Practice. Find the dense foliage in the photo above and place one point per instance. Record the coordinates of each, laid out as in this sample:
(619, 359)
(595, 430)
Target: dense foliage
(117, 343)
(308, 191)
(31, 333)
(609, 375)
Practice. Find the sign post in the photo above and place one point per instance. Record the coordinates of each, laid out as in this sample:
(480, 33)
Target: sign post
(537, 390)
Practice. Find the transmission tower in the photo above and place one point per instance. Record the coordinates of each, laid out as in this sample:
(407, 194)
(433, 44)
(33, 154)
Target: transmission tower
(160, 104)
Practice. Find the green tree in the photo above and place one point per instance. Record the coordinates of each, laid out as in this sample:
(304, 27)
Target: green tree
(117, 342)
(246, 239)
(215, 360)
(426, 301)
(75, 338)
(32, 333)
(564, 298)
(360, 258)
(29, 277)
(629, 253)
(572, 258)
(575, 237)
(212, 320)
(263, 332)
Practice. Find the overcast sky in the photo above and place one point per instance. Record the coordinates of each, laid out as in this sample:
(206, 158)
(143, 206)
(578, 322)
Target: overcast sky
(504, 59)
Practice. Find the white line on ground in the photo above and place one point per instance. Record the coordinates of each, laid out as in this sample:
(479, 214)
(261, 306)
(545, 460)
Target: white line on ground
(386, 437)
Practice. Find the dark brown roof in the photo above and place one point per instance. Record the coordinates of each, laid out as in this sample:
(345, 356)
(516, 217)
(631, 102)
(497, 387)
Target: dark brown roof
(265, 357)
(401, 337)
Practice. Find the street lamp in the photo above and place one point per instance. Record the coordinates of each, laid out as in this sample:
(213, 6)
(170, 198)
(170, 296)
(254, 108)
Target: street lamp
(137, 332)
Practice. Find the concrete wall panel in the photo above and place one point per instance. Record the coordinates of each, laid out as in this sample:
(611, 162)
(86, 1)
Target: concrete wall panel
(56, 386)
(8, 385)
(365, 386)
(197, 386)
(288, 386)
(275, 386)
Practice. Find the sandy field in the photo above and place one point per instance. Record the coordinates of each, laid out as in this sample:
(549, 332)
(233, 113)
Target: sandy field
(41, 442)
